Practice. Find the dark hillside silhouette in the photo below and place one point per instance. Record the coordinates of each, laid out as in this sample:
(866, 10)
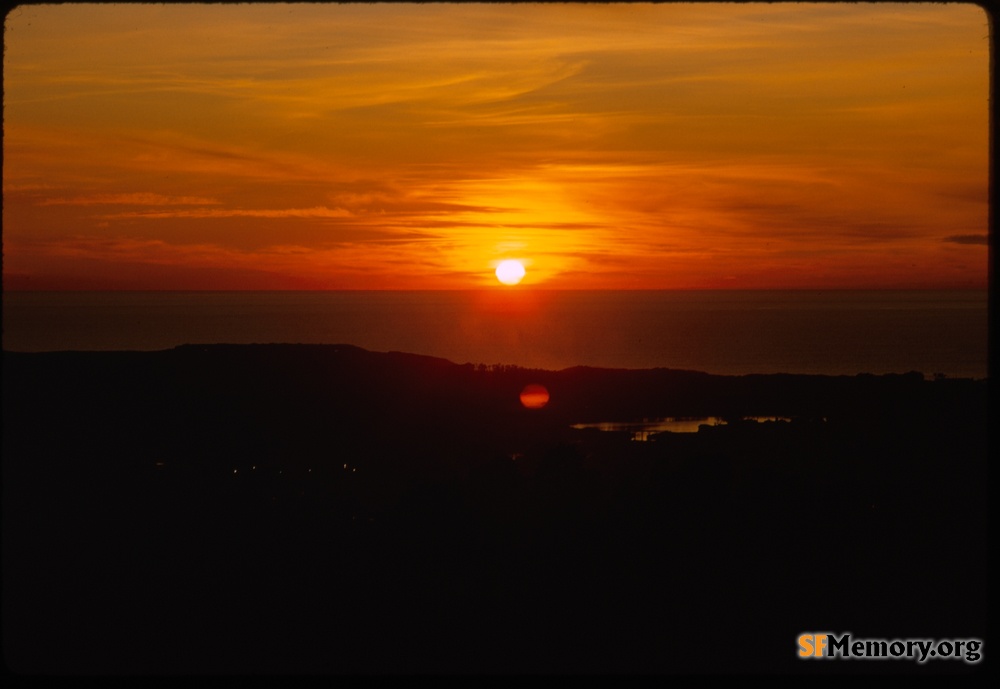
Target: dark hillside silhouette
(326, 509)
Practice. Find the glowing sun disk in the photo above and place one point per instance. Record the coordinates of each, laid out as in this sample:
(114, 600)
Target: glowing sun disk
(510, 272)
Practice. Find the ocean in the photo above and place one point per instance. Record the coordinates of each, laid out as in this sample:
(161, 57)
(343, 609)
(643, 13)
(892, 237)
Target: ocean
(721, 332)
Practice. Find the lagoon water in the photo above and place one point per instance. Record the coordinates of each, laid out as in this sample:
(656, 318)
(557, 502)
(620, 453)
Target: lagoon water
(721, 332)
(641, 430)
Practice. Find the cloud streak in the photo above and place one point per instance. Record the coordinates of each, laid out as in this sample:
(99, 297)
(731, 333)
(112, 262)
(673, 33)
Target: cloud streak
(973, 239)
(279, 213)
(133, 199)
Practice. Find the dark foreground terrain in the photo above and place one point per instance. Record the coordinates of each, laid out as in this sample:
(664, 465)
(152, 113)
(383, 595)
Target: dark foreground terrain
(323, 509)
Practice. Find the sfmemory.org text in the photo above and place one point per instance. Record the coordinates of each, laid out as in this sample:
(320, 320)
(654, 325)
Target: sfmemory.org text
(830, 646)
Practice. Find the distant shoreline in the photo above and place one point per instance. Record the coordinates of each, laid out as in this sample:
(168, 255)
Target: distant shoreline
(285, 347)
(721, 332)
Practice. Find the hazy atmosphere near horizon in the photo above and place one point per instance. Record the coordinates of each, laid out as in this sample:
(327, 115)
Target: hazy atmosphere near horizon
(397, 146)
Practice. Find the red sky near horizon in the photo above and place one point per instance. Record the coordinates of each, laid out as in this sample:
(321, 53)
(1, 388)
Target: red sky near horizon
(394, 146)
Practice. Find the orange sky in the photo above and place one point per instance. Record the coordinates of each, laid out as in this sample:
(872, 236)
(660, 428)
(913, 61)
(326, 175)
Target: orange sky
(393, 146)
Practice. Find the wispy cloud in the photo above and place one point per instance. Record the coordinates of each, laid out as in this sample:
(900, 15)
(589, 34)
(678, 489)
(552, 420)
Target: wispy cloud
(316, 212)
(132, 199)
(968, 239)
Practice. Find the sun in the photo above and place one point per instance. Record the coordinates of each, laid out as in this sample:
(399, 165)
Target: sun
(534, 396)
(510, 272)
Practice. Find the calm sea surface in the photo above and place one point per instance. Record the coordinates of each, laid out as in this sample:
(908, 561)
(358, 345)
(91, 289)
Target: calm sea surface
(725, 332)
